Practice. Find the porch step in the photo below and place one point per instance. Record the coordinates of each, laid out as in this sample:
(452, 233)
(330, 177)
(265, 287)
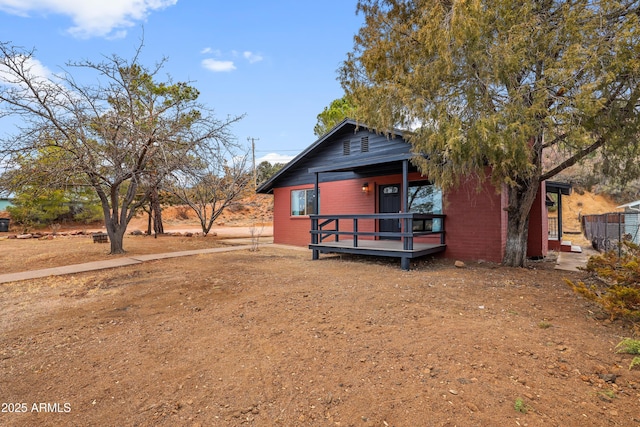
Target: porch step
(567, 246)
(564, 246)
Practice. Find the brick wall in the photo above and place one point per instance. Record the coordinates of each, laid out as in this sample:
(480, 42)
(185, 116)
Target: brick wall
(476, 222)
(336, 197)
(287, 229)
(538, 239)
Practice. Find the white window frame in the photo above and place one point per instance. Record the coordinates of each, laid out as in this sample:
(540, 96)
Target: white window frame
(302, 202)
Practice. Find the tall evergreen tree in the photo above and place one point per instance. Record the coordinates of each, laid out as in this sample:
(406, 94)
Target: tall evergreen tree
(488, 87)
(337, 111)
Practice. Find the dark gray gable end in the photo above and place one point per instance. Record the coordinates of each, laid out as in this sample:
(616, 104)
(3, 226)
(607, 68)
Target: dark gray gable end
(348, 151)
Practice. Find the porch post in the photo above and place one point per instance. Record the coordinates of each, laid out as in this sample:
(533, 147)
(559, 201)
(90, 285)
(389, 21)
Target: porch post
(406, 241)
(560, 216)
(316, 189)
(405, 185)
(314, 222)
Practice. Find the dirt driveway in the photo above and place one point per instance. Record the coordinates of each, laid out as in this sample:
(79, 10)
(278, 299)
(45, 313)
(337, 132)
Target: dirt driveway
(272, 338)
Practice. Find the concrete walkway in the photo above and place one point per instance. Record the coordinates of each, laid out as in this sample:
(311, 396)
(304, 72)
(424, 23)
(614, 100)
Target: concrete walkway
(111, 263)
(570, 261)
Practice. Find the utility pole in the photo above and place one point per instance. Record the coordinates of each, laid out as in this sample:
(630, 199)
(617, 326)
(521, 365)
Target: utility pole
(253, 155)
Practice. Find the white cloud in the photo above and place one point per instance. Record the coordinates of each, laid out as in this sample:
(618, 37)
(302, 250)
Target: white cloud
(218, 66)
(91, 18)
(40, 78)
(274, 158)
(210, 51)
(38, 69)
(34, 68)
(252, 57)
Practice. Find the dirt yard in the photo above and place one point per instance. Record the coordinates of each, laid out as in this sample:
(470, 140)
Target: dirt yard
(273, 338)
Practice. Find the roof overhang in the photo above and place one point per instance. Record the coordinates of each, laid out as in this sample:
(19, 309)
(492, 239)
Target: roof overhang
(370, 161)
(558, 187)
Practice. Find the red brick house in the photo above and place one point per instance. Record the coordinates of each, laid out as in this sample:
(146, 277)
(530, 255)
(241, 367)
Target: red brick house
(373, 201)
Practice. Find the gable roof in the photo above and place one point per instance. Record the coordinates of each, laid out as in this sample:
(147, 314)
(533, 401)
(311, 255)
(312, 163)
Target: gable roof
(267, 187)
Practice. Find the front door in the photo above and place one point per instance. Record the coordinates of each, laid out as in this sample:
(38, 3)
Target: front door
(390, 203)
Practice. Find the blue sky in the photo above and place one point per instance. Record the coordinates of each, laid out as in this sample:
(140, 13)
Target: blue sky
(275, 61)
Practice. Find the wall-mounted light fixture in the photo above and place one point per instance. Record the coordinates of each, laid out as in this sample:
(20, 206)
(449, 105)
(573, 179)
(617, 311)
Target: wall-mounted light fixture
(365, 188)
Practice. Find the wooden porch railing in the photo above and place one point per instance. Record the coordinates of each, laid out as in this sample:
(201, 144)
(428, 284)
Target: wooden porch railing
(327, 226)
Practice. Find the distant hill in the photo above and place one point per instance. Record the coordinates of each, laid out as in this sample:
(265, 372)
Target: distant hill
(254, 209)
(583, 203)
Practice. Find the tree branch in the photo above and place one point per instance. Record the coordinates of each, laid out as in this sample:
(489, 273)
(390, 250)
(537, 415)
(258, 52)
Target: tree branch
(573, 159)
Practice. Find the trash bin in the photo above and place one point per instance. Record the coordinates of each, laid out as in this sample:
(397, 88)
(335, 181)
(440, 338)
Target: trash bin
(4, 224)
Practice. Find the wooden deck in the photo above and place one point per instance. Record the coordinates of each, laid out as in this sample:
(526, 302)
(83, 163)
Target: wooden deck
(329, 235)
(391, 248)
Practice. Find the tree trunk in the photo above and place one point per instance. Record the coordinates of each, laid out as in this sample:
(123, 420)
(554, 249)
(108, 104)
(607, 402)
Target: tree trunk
(158, 228)
(115, 230)
(116, 237)
(149, 222)
(521, 200)
(156, 211)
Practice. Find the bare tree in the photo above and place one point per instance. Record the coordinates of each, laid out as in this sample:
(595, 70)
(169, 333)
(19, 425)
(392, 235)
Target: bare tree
(121, 134)
(213, 181)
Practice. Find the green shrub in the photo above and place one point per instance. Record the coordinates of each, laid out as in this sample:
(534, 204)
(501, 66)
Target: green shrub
(630, 346)
(38, 207)
(617, 288)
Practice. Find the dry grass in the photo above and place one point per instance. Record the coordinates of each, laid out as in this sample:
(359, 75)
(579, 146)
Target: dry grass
(33, 254)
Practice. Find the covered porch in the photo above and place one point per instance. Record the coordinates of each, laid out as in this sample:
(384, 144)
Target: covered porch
(383, 228)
